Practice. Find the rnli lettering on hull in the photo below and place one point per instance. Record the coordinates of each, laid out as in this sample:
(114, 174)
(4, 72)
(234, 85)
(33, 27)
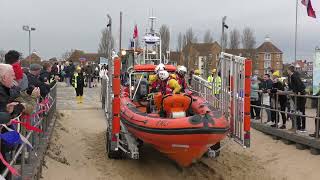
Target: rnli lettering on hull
(162, 123)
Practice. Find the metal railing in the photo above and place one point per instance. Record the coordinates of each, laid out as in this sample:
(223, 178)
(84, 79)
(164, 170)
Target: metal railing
(205, 89)
(229, 93)
(30, 160)
(291, 111)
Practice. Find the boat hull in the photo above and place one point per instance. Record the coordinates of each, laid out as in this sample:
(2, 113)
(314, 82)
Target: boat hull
(183, 140)
(185, 149)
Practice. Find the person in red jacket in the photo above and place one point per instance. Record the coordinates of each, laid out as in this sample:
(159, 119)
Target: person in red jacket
(180, 77)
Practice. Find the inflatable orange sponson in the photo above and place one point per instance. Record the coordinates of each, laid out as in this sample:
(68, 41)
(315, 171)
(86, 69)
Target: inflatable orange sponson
(183, 126)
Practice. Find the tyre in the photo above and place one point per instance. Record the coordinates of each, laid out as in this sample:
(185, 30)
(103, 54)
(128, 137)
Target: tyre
(111, 154)
(215, 148)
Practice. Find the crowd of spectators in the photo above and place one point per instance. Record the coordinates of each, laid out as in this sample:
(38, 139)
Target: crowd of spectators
(91, 70)
(273, 94)
(20, 91)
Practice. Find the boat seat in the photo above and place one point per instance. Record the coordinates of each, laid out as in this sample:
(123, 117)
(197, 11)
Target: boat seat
(176, 105)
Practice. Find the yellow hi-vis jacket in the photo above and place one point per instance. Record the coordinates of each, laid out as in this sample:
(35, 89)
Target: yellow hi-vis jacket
(216, 83)
(153, 78)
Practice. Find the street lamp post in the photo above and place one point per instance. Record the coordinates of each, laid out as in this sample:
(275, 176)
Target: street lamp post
(222, 35)
(110, 35)
(29, 29)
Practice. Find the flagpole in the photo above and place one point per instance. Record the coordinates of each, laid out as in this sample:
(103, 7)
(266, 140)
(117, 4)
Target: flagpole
(296, 33)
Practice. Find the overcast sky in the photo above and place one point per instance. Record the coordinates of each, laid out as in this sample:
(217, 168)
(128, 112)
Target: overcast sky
(76, 24)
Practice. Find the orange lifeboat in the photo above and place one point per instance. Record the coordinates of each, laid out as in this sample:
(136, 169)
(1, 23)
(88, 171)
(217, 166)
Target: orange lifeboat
(182, 126)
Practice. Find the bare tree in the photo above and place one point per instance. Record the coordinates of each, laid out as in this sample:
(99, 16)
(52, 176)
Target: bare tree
(248, 39)
(106, 43)
(65, 56)
(180, 42)
(225, 41)
(234, 42)
(190, 37)
(2, 54)
(207, 38)
(165, 38)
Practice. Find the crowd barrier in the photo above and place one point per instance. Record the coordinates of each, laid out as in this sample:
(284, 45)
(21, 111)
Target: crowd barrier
(293, 116)
(35, 131)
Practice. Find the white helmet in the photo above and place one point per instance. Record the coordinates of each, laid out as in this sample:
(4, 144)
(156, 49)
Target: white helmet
(182, 70)
(159, 67)
(163, 75)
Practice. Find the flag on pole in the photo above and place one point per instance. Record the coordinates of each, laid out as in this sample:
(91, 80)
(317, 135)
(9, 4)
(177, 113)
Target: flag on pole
(135, 32)
(310, 10)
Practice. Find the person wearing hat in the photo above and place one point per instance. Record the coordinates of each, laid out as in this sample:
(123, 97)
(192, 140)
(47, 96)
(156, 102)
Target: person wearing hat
(77, 81)
(34, 81)
(278, 86)
(197, 72)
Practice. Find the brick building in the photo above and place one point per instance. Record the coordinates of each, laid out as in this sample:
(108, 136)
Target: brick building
(204, 56)
(78, 55)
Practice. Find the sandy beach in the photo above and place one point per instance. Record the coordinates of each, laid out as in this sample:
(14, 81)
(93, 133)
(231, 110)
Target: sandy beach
(77, 151)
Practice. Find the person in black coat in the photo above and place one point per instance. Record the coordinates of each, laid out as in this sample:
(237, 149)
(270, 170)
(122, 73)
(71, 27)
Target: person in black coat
(77, 82)
(7, 106)
(34, 81)
(296, 85)
(47, 76)
(278, 86)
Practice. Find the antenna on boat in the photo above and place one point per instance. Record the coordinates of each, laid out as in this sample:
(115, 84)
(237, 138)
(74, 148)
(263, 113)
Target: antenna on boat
(152, 18)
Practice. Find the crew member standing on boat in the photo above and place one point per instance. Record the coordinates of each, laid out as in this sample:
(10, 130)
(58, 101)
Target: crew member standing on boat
(167, 84)
(154, 78)
(180, 77)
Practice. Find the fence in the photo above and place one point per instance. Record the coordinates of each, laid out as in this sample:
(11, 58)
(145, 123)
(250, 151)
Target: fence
(29, 160)
(292, 109)
(229, 93)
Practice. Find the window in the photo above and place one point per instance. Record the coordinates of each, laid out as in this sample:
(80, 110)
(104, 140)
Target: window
(267, 56)
(267, 64)
(278, 56)
(278, 63)
(257, 56)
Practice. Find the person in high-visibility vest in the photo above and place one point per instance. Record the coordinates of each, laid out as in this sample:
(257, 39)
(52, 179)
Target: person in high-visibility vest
(77, 82)
(197, 72)
(216, 81)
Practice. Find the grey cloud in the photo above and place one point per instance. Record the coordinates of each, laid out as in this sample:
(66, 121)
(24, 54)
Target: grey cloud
(65, 24)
